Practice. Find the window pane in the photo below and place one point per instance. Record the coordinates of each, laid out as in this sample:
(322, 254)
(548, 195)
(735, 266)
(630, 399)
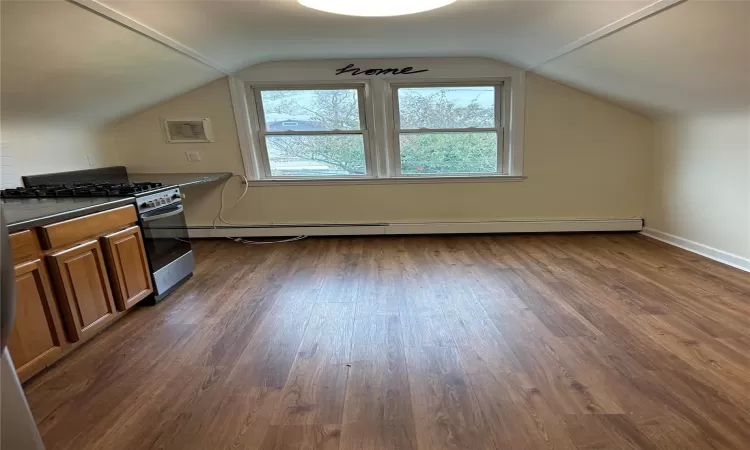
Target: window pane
(316, 156)
(443, 153)
(313, 110)
(447, 107)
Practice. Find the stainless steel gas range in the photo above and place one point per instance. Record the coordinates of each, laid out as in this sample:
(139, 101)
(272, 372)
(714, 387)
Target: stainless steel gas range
(166, 238)
(160, 213)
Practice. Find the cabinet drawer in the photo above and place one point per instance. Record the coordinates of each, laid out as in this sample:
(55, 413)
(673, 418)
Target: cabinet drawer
(23, 246)
(73, 230)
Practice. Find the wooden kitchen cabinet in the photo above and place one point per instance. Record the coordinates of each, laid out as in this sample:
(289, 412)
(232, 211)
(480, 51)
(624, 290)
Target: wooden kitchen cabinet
(37, 339)
(128, 266)
(83, 288)
(98, 267)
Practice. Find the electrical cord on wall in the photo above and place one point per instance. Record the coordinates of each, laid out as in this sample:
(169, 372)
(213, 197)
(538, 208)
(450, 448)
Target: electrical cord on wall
(220, 216)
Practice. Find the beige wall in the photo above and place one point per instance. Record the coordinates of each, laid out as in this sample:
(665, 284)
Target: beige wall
(65, 72)
(702, 181)
(584, 158)
(41, 147)
(140, 143)
(62, 63)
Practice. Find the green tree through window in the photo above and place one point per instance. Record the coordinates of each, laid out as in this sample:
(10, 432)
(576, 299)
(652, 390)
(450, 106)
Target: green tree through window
(421, 152)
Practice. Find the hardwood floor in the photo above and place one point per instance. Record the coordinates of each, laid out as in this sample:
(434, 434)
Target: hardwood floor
(583, 341)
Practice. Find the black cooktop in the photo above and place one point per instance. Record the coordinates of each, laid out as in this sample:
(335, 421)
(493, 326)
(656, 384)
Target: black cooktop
(102, 189)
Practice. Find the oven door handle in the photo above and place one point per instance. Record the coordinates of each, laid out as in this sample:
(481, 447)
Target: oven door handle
(174, 212)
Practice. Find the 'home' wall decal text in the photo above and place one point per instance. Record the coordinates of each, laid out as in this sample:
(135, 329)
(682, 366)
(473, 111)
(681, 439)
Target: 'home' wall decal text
(357, 71)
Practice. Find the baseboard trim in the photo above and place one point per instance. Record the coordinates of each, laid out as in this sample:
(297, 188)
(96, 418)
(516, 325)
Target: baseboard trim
(721, 256)
(506, 226)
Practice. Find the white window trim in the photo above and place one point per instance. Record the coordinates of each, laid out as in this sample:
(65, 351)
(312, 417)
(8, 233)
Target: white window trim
(365, 123)
(378, 109)
(309, 181)
(498, 129)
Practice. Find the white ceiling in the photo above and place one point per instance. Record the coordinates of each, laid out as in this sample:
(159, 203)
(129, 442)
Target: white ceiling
(64, 64)
(692, 58)
(63, 61)
(239, 33)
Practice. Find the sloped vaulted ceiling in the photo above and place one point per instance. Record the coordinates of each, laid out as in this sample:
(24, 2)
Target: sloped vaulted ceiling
(65, 62)
(692, 58)
(239, 33)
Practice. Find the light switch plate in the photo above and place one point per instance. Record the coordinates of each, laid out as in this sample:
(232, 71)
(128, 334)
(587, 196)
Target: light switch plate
(193, 156)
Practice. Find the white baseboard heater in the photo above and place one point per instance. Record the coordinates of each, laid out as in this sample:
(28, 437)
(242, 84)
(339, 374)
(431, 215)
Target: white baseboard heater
(504, 226)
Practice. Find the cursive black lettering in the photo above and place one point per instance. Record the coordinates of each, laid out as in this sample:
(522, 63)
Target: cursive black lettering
(410, 70)
(350, 68)
(387, 71)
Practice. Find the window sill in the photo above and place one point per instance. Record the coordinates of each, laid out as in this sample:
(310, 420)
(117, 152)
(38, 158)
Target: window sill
(392, 180)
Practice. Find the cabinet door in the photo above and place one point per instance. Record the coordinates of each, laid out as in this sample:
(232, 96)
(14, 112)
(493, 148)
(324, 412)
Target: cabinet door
(128, 266)
(36, 340)
(82, 284)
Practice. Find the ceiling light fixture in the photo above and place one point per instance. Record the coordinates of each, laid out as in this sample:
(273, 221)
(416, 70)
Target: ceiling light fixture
(375, 8)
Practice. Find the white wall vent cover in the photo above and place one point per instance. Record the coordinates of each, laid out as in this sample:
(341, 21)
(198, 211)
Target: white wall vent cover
(188, 130)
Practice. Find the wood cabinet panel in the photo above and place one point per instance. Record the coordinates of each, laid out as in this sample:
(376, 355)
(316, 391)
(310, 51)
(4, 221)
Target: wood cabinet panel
(83, 287)
(128, 266)
(73, 230)
(36, 340)
(23, 246)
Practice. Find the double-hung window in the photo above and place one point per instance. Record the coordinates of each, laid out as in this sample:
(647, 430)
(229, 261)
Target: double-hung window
(313, 132)
(377, 129)
(448, 130)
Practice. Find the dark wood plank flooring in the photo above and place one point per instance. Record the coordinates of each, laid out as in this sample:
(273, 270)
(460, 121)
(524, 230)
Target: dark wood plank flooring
(583, 341)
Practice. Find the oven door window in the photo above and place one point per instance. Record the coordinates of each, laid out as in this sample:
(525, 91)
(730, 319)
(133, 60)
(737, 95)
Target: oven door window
(165, 235)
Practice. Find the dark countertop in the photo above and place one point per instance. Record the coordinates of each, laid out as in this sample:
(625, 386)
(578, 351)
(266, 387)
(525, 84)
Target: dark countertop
(180, 179)
(25, 213)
